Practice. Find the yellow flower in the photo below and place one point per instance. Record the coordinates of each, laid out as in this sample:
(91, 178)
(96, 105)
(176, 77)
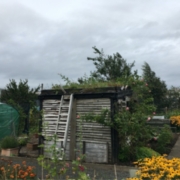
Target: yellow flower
(159, 168)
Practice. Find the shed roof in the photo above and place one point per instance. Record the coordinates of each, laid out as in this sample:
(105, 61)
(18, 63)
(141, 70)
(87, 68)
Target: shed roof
(116, 92)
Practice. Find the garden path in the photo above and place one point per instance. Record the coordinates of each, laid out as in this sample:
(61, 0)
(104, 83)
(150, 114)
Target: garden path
(175, 152)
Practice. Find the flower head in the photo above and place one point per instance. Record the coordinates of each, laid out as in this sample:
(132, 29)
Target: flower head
(149, 118)
(81, 168)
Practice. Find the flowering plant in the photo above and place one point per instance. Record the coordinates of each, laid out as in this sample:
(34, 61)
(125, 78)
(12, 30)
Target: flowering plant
(156, 168)
(16, 171)
(175, 120)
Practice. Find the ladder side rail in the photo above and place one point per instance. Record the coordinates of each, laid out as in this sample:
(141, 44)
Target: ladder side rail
(55, 131)
(68, 120)
(61, 103)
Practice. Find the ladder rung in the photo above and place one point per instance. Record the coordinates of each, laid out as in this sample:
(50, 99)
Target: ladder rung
(59, 140)
(64, 106)
(50, 115)
(49, 130)
(63, 114)
(61, 131)
(62, 122)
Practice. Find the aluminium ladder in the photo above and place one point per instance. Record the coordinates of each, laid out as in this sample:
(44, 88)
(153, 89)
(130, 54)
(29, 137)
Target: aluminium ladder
(63, 120)
(59, 124)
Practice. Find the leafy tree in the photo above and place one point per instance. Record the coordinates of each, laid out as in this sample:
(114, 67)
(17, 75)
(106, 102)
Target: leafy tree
(22, 97)
(20, 93)
(156, 85)
(130, 122)
(173, 98)
(109, 67)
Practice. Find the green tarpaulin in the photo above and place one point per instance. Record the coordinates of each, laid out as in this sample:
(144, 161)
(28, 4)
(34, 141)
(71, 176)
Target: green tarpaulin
(9, 120)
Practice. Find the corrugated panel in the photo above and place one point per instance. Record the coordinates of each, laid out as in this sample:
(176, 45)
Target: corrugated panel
(94, 134)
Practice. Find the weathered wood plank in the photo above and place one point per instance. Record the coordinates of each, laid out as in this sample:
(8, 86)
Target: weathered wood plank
(92, 131)
(96, 152)
(72, 132)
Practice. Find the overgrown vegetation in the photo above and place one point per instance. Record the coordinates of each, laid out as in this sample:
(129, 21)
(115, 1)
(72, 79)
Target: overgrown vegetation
(145, 152)
(162, 139)
(22, 98)
(130, 123)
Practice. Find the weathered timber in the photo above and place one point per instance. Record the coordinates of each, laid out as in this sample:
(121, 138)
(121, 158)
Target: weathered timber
(72, 133)
(96, 152)
(93, 131)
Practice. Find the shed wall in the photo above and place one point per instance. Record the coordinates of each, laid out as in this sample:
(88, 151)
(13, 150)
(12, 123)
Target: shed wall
(96, 138)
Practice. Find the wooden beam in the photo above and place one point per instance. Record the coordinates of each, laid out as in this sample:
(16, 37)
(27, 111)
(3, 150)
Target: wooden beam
(72, 152)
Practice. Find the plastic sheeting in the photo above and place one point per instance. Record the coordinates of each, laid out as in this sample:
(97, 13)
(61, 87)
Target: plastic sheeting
(9, 120)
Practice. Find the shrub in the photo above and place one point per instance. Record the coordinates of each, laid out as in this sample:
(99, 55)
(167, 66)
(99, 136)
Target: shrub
(145, 152)
(9, 142)
(22, 141)
(163, 139)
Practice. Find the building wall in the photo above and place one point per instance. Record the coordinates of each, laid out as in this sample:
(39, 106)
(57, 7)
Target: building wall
(95, 139)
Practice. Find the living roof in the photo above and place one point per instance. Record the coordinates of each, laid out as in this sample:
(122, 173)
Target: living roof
(116, 92)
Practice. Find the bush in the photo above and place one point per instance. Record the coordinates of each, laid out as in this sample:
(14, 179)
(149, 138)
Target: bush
(22, 141)
(163, 139)
(145, 152)
(9, 142)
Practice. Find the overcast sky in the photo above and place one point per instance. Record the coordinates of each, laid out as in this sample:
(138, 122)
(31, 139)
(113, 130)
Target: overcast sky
(41, 38)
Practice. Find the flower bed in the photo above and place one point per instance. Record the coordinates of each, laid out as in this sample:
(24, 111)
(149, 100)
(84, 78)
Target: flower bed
(157, 168)
(8, 170)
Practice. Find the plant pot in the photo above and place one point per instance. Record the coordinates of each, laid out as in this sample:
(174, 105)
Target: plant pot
(36, 135)
(10, 152)
(32, 146)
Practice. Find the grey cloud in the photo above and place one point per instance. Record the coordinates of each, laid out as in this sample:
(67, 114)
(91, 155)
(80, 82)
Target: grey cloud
(35, 47)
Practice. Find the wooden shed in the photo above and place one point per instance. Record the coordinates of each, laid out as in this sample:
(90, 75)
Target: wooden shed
(61, 111)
